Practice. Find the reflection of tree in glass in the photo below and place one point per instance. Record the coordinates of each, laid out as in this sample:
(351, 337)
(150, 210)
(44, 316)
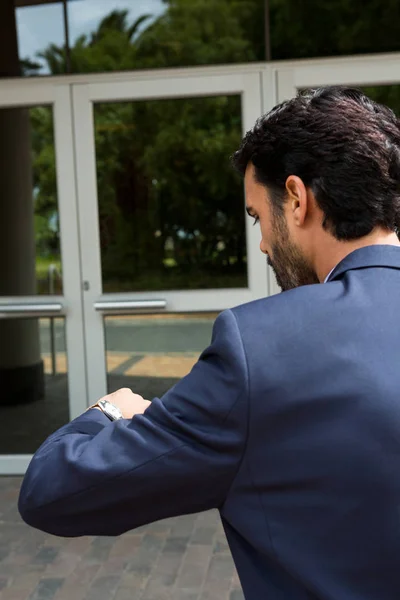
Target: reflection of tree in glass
(167, 197)
(315, 28)
(44, 196)
(163, 169)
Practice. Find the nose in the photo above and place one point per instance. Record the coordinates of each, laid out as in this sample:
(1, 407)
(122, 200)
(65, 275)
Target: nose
(263, 247)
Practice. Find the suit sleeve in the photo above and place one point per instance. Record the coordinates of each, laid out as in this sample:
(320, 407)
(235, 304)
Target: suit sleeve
(97, 477)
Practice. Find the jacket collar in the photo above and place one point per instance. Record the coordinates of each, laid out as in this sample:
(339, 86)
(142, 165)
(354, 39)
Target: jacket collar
(370, 256)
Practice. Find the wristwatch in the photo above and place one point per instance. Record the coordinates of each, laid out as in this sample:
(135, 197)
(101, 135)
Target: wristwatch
(110, 410)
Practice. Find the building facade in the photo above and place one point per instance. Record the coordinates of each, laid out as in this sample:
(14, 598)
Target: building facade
(123, 229)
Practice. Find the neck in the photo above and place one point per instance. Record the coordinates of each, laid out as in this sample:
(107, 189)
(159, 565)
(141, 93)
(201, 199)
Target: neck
(335, 251)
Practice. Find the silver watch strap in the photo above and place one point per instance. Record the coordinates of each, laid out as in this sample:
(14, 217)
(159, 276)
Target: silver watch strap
(110, 410)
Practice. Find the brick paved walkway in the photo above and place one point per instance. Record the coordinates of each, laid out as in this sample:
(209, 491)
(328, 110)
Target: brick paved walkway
(178, 559)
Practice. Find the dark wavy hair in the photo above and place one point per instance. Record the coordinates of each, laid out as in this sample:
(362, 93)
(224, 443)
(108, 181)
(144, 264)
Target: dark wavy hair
(343, 145)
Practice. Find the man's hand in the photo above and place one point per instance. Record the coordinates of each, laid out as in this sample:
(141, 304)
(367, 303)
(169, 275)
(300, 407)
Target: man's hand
(129, 404)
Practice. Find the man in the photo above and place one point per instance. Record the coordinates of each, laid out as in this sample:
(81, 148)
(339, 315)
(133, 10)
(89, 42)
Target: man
(289, 424)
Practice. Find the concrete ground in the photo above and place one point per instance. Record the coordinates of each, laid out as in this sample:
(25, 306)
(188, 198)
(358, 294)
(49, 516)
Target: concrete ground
(184, 558)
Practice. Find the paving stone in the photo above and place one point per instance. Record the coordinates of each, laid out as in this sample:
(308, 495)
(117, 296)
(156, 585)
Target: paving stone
(3, 583)
(219, 577)
(130, 587)
(46, 589)
(78, 545)
(203, 535)
(186, 595)
(63, 565)
(184, 526)
(167, 568)
(46, 555)
(221, 547)
(77, 585)
(214, 594)
(126, 594)
(4, 551)
(100, 549)
(21, 587)
(184, 558)
(176, 544)
(236, 595)
(143, 561)
(194, 568)
(208, 519)
(158, 527)
(103, 588)
(126, 546)
(157, 591)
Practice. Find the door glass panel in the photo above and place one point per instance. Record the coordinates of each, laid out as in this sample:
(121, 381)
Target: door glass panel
(30, 260)
(171, 208)
(150, 353)
(324, 29)
(33, 382)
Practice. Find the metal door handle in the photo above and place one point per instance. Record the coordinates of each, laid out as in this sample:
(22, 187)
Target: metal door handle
(111, 306)
(20, 310)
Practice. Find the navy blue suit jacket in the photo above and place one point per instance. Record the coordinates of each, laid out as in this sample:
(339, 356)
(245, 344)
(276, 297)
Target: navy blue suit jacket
(289, 424)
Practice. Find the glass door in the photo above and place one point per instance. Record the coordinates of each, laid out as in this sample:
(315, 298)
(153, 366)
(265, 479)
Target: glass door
(42, 373)
(164, 238)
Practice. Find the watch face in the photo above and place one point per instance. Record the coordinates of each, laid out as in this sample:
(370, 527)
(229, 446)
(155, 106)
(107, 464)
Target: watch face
(110, 410)
(116, 413)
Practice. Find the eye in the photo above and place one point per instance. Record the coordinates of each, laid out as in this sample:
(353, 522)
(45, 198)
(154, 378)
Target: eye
(256, 220)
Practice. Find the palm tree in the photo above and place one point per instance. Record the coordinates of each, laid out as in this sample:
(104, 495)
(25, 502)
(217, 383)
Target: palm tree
(117, 20)
(114, 24)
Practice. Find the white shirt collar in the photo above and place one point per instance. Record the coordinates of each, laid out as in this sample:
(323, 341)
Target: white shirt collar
(329, 274)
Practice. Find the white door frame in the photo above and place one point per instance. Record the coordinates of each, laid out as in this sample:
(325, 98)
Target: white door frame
(371, 70)
(18, 94)
(134, 87)
(261, 87)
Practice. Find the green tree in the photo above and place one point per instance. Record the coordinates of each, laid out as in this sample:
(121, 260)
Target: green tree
(44, 181)
(163, 169)
(171, 211)
(310, 28)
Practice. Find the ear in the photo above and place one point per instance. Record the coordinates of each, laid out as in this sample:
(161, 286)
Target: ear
(297, 199)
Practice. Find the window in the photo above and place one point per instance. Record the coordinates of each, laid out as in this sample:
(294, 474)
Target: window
(116, 35)
(311, 28)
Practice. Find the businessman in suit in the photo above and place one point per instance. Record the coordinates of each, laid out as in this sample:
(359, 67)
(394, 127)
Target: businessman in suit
(289, 423)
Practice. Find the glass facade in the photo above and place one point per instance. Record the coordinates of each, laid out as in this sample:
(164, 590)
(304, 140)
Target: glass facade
(311, 28)
(170, 212)
(41, 37)
(115, 35)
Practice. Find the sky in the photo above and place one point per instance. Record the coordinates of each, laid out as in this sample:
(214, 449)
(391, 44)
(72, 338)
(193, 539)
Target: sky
(39, 26)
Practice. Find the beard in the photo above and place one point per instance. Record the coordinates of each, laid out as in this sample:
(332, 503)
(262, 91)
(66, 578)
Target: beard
(290, 266)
